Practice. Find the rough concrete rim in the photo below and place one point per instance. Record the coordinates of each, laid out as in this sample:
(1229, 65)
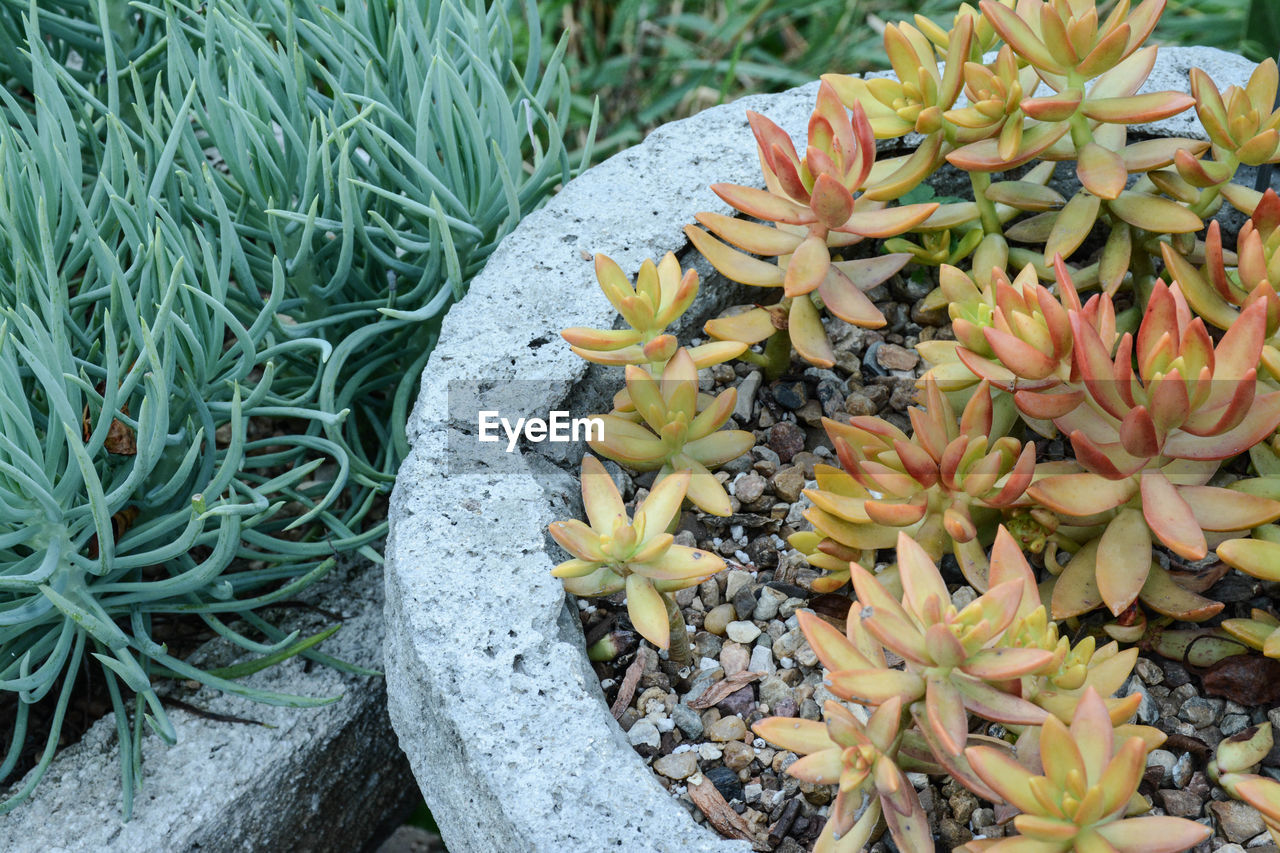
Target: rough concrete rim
(467, 556)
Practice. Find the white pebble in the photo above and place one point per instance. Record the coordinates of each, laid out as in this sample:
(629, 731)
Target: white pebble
(742, 632)
(741, 557)
(708, 663)
(736, 532)
(709, 751)
(665, 724)
(684, 747)
(787, 663)
(607, 683)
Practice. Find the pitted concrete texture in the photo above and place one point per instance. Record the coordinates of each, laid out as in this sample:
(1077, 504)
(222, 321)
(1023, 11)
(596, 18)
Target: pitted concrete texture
(489, 688)
(315, 779)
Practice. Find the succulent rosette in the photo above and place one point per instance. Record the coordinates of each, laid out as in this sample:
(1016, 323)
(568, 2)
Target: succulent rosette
(1217, 292)
(670, 433)
(661, 294)
(1059, 686)
(814, 205)
(859, 758)
(955, 659)
(1079, 796)
(1149, 442)
(1243, 125)
(614, 552)
(1018, 336)
(938, 483)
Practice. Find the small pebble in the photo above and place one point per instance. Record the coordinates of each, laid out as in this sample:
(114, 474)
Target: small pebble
(737, 755)
(747, 390)
(645, 733)
(790, 394)
(677, 765)
(1237, 821)
(767, 604)
(688, 720)
(726, 782)
(718, 619)
(734, 657)
(894, 357)
(749, 487)
(1182, 770)
(786, 439)
(1179, 803)
(725, 729)
(1199, 711)
(742, 632)
(762, 660)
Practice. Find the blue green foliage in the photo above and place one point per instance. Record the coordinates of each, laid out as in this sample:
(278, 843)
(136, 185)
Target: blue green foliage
(228, 233)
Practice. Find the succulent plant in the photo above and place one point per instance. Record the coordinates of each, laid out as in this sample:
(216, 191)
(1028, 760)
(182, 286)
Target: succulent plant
(662, 293)
(933, 483)
(614, 553)
(1150, 442)
(955, 659)
(1018, 336)
(1058, 686)
(815, 204)
(1217, 293)
(860, 758)
(1261, 559)
(1243, 126)
(678, 436)
(1079, 795)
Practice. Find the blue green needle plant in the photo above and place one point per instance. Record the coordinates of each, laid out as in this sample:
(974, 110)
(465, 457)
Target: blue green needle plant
(228, 233)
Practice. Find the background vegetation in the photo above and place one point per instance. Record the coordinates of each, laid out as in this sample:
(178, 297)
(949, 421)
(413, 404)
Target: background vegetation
(650, 62)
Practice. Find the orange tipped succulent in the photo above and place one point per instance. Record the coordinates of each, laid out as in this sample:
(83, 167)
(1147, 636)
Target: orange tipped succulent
(932, 483)
(860, 758)
(668, 432)
(955, 659)
(1079, 796)
(660, 295)
(815, 204)
(1150, 441)
(1243, 126)
(614, 552)
(917, 100)
(1059, 686)
(1217, 295)
(1018, 336)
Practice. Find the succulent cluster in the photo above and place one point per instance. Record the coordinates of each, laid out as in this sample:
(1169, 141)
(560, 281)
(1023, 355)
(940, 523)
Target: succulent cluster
(1108, 405)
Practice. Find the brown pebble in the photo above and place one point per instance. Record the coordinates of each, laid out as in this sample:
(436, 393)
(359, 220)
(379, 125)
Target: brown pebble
(894, 357)
(737, 755)
(786, 439)
(788, 483)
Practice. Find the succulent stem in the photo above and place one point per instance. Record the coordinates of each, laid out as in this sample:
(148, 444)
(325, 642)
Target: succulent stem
(679, 652)
(1144, 274)
(981, 181)
(777, 355)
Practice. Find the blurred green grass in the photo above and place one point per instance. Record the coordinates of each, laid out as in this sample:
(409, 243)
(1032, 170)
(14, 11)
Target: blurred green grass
(650, 62)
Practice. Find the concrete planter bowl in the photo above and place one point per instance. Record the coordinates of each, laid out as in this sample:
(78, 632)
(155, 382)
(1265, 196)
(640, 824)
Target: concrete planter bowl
(489, 687)
(316, 779)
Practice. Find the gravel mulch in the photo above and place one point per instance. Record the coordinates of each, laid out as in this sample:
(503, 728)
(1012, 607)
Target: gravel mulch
(751, 660)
